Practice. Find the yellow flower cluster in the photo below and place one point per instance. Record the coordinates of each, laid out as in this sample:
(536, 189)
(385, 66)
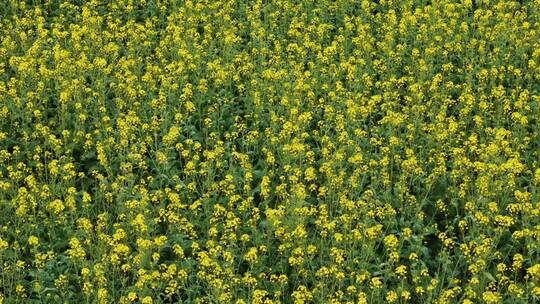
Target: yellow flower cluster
(231, 151)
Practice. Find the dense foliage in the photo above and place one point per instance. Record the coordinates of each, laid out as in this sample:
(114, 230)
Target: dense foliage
(283, 151)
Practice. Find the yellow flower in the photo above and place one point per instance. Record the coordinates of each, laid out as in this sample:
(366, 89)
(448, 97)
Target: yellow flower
(391, 296)
(3, 244)
(401, 271)
(301, 295)
(147, 300)
(534, 271)
(20, 289)
(491, 297)
(391, 241)
(251, 255)
(375, 282)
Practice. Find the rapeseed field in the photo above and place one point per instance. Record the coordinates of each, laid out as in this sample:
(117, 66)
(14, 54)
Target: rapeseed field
(269, 151)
